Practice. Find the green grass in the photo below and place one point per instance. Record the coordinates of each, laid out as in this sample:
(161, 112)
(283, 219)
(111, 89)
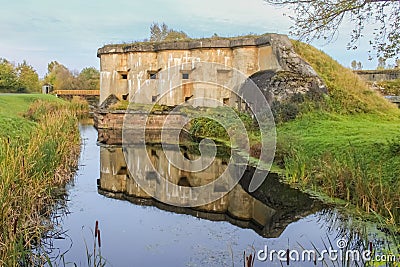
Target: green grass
(12, 108)
(322, 132)
(39, 145)
(355, 158)
(17, 104)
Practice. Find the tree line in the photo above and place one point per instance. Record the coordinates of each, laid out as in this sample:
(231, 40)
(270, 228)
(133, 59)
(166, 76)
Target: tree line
(20, 78)
(382, 65)
(23, 78)
(61, 78)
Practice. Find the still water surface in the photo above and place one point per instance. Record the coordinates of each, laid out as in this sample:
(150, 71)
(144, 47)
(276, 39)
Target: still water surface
(143, 232)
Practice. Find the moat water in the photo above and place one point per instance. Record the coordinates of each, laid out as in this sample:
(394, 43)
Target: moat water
(139, 231)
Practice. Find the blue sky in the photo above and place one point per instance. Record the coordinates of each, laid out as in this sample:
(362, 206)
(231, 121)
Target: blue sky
(71, 31)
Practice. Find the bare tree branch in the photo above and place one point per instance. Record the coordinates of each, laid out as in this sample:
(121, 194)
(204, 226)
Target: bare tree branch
(319, 19)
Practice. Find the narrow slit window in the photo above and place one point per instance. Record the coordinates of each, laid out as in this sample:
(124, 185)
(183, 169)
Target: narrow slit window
(152, 75)
(185, 76)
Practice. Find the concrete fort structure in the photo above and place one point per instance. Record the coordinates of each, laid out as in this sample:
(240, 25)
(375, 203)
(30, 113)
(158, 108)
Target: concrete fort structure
(146, 67)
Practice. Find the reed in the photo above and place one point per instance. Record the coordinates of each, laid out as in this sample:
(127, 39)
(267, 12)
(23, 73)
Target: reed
(32, 167)
(367, 180)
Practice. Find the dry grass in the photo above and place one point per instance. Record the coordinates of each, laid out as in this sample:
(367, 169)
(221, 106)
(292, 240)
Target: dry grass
(30, 173)
(348, 94)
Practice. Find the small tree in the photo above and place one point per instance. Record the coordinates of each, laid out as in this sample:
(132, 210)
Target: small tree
(155, 32)
(60, 77)
(359, 65)
(89, 79)
(354, 65)
(381, 63)
(8, 77)
(163, 33)
(28, 78)
(175, 35)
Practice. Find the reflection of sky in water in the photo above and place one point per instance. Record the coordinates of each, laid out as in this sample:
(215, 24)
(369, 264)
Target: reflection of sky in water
(135, 235)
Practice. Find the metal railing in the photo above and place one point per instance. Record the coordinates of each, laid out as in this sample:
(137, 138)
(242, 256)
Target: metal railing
(77, 92)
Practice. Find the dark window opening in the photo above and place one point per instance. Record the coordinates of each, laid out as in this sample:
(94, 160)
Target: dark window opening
(152, 75)
(125, 97)
(124, 76)
(183, 181)
(187, 98)
(154, 154)
(186, 155)
(226, 101)
(154, 98)
(122, 171)
(185, 76)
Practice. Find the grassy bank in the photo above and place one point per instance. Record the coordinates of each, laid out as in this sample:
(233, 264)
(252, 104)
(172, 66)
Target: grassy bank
(352, 157)
(39, 144)
(350, 148)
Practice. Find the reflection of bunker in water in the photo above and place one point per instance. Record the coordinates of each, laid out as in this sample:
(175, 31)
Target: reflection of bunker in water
(268, 212)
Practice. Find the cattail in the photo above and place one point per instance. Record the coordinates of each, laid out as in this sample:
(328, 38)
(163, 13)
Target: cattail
(96, 229)
(248, 261)
(98, 237)
(287, 257)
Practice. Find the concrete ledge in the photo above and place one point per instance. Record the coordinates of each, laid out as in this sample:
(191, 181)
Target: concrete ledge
(187, 45)
(378, 75)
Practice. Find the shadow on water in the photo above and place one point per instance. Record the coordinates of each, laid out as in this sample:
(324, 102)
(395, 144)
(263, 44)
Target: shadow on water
(138, 230)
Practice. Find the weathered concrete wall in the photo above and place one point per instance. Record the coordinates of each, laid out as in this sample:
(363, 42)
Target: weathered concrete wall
(127, 69)
(110, 125)
(378, 75)
(104, 119)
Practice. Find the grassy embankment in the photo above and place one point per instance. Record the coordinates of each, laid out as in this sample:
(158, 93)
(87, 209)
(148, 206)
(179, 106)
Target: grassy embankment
(39, 145)
(345, 146)
(350, 147)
